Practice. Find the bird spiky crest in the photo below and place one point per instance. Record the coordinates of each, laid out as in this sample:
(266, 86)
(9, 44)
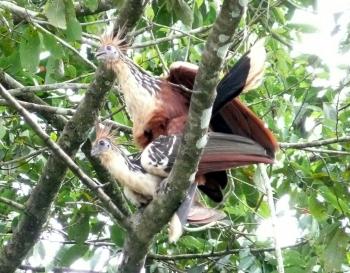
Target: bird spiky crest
(118, 41)
(104, 131)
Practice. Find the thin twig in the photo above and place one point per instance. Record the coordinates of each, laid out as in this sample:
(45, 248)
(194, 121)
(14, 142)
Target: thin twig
(324, 151)
(172, 37)
(217, 253)
(269, 193)
(41, 108)
(47, 87)
(22, 158)
(12, 203)
(316, 143)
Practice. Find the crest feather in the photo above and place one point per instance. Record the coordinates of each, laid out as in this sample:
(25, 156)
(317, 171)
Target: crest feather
(118, 41)
(104, 131)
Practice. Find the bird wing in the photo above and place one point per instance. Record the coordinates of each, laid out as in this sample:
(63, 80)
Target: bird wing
(159, 156)
(222, 152)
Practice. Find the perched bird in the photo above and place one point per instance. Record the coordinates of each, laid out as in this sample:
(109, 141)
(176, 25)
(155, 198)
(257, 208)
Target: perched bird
(159, 106)
(141, 174)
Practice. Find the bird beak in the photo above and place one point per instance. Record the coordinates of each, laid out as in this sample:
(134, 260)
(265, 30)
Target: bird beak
(100, 54)
(95, 152)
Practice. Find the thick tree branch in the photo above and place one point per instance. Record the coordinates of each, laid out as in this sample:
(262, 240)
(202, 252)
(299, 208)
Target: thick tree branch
(160, 210)
(128, 16)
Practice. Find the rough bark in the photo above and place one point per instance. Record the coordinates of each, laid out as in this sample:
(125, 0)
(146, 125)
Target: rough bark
(149, 222)
(129, 14)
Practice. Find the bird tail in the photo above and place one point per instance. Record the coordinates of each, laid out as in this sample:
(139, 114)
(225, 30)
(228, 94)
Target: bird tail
(236, 118)
(245, 75)
(225, 151)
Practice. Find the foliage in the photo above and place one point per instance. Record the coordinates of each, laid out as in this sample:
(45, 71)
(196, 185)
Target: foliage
(289, 101)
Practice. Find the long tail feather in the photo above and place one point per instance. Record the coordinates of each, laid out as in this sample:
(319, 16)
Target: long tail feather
(225, 151)
(236, 118)
(179, 219)
(245, 75)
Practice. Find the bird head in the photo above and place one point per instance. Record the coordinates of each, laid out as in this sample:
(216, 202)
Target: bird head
(112, 48)
(103, 142)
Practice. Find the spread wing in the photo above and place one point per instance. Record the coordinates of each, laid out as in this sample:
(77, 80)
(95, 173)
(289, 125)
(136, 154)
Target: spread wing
(222, 152)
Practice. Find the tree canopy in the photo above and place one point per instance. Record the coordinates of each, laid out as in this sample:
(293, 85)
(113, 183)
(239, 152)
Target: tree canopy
(60, 211)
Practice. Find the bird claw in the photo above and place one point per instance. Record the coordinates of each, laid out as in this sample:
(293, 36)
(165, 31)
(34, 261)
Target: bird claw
(162, 187)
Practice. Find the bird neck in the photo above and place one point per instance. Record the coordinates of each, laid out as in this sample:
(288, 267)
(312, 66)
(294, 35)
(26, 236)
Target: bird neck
(138, 87)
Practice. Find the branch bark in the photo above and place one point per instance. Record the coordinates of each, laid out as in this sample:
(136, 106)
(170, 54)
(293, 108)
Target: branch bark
(315, 143)
(159, 211)
(129, 14)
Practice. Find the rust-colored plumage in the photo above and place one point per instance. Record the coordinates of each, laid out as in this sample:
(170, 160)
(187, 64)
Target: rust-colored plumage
(159, 106)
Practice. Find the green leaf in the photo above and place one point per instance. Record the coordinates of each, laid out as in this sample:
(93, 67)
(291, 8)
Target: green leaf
(149, 12)
(72, 254)
(183, 12)
(92, 5)
(53, 46)
(79, 228)
(335, 252)
(55, 13)
(29, 50)
(74, 30)
(54, 70)
(317, 209)
(117, 235)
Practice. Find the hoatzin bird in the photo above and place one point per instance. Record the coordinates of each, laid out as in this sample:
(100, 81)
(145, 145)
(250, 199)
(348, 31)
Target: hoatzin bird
(159, 106)
(141, 174)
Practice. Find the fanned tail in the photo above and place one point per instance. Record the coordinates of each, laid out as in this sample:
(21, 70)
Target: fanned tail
(245, 75)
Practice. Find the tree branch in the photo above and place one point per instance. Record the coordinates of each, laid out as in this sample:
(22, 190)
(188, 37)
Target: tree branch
(56, 120)
(266, 181)
(128, 16)
(217, 253)
(41, 108)
(12, 203)
(47, 87)
(160, 210)
(22, 158)
(316, 143)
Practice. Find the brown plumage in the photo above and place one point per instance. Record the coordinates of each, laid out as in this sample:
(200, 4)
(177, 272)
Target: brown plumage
(159, 106)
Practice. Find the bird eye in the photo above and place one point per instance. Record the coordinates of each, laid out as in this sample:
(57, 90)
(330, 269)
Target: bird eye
(108, 47)
(101, 142)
